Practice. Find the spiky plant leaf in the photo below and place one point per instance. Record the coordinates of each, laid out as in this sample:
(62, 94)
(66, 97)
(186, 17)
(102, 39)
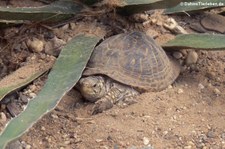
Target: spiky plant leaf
(54, 12)
(136, 6)
(197, 41)
(66, 72)
(19, 79)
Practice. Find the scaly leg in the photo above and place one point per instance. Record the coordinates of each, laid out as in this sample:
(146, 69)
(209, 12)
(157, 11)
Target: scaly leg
(117, 94)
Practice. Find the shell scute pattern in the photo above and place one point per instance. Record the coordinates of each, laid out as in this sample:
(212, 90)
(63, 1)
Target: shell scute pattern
(133, 59)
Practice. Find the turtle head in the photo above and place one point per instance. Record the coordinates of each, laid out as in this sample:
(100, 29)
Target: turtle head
(92, 88)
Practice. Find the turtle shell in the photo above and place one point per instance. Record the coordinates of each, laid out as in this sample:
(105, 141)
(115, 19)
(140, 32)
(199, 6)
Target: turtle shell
(133, 59)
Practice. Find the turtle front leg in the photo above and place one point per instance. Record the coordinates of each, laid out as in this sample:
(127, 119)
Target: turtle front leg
(123, 95)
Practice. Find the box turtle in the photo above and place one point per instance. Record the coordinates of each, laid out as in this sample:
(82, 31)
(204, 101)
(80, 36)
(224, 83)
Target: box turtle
(123, 66)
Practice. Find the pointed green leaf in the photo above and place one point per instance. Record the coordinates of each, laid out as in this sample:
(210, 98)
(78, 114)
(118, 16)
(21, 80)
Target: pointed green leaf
(64, 75)
(19, 79)
(8, 23)
(197, 41)
(54, 12)
(135, 6)
(194, 6)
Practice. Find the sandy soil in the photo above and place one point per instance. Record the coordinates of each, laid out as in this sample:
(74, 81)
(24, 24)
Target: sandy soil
(189, 114)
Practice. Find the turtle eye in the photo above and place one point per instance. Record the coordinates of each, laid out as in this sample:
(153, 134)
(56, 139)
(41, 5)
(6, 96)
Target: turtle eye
(95, 85)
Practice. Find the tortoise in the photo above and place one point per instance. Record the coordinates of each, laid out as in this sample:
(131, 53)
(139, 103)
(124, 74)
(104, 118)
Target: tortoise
(124, 66)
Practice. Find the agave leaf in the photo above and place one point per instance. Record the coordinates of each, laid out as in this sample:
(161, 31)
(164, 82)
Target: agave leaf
(8, 23)
(19, 79)
(195, 6)
(197, 41)
(135, 6)
(64, 75)
(54, 12)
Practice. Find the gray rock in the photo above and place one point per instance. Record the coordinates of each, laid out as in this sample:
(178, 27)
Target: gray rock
(200, 86)
(198, 28)
(214, 22)
(211, 134)
(177, 55)
(15, 145)
(223, 135)
(13, 108)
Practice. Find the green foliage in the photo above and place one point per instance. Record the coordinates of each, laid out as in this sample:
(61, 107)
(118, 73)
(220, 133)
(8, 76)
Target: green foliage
(74, 57)
(197, 41)
(54, 12)
(4, 90)
(66, 72)
(134, 6)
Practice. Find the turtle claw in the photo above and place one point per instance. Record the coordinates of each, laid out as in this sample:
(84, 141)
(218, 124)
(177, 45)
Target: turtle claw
(101, 106)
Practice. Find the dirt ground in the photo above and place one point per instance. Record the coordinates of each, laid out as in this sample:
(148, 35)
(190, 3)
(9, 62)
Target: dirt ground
(189, 114)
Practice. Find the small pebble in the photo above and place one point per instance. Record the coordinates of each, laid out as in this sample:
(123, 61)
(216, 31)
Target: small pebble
(72, 26)
(190, 143)
(165, 132)
(28, 146)
(177, 55)
(180, 91)
(65, 27)
(200, 86)
(32, 87)
(53, 47)
(153, 21)
(48, 35)
(170, 87)
(35, 45)
(184, 52)
(200, 145)
(223, 135)
(139, 17)
(211, 134)
(194, 68)
(183, 68)
(32, 95)
(43, 128)
(217, 91)
(152, 33)
(3, 117)
(54, 116)
(13, 109)
(181, 62)
(14, 145)
(210, 75)
(99, 140)
(146, 141)
(223, 144)
(23, 98)
(67, 142)
(192, 58)
(203, 138)
(159, 23)
(188, 147)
